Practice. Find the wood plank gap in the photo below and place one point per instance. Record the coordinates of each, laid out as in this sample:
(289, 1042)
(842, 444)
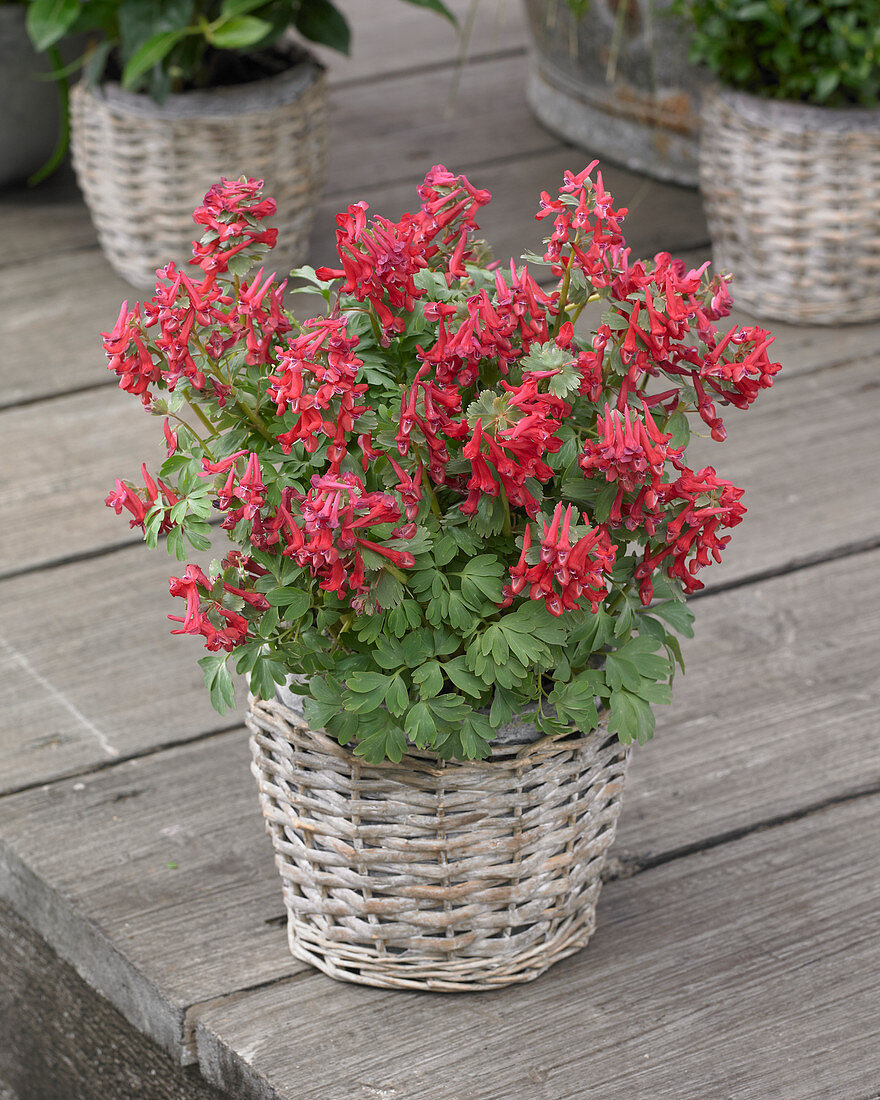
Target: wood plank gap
(795, 565)
(103, 765)
(70, 559)
(432, 67)
(74, 391)
(63, 250)
(193, 1011)
(617, 868)
(469, 166)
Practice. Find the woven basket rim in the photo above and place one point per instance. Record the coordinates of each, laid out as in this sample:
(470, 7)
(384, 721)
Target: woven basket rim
(254, 97)
(793, 117)
(502, 756)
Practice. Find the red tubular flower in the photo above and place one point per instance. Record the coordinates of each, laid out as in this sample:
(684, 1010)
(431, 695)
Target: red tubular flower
(327, 536)
(316, 380)
(255, 599)
(629, 450)
(709, 504)
(231, 213)
(564, 574)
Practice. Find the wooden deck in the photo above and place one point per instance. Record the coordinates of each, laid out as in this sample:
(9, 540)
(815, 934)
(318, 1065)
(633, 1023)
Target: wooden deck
(738, 952)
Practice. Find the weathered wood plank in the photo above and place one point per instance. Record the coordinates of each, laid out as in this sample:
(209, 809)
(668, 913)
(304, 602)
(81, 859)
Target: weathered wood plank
(779, 710)
(60, 460)
(389, 37)
(777, 713)
(44, 220)
(48, 351)
(90, 673)
(62, 1041)
(745, 971)
(153, 879)
(796, 455)
(395, 130)
(508, 223)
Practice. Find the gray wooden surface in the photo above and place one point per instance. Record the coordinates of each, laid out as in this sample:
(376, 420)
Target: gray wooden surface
(737, 953)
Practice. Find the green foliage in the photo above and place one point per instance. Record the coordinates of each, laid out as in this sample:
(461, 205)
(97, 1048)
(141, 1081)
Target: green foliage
(814, 51)
(171, 45)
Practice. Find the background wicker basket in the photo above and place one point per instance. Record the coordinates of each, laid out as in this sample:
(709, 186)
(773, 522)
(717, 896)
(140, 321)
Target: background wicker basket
(144, 167)
(426, 875)
(792, 197)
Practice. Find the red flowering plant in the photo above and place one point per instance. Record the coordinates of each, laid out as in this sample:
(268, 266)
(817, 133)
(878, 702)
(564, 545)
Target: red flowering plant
(445, 505)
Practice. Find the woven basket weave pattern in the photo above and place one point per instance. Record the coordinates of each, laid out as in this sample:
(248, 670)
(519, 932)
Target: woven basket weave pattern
(430, 875)
(794, 208)
(143, 172)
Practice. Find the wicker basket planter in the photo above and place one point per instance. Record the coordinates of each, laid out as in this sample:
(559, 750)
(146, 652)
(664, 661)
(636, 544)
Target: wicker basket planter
(647, 115)
(431, 875)
(792, 196)
(143, 167)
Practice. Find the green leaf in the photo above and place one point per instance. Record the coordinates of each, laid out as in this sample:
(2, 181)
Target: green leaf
(435, 5)
(429, 678)
(295, 601)
(320, 21)
(449, 708)
(388, 653)
(678, 615)
(476, 734)
(153, 51)
(239, 33)
(47, 21)
(218, 681)
(464, 680)
(501, 711)
(368, 691)
(265, 674)
(387, 741)
(481, 579)
(397, 697)
(576, 702)
(631, 718)
(679, 428)
(420, 725)
(231, 8)
(240, 264)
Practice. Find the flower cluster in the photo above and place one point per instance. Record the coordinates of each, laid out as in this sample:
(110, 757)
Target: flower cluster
(447, 500)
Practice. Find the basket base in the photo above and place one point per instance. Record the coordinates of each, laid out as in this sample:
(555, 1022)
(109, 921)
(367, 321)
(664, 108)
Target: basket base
(436, 974)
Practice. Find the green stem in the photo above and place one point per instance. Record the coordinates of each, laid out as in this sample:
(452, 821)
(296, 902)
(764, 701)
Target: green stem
(255, 419)
(377, 331)
(580, 309)
(58, 153)
(207, 423)
(507, 529)
(432, 498)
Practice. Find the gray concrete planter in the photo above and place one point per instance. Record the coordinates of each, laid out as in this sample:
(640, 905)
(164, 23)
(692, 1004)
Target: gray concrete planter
(143, 167)
(634, 100)
(30, 115)
(792, 198)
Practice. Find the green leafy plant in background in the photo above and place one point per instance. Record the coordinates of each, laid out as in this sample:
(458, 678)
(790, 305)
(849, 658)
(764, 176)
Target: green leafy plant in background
(170, 45)
(814, 51)
(162, 46)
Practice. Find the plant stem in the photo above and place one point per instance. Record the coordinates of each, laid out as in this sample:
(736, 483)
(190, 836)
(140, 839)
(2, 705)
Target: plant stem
(432, 498)
(580, 309)
(207, 423)
(563, 297)
(255, 419)
(507, 529)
